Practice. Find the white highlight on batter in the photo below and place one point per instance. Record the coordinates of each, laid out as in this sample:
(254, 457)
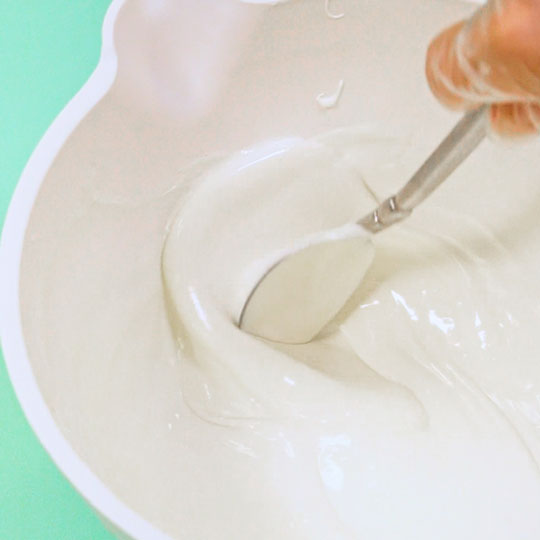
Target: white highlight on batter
(328, 101)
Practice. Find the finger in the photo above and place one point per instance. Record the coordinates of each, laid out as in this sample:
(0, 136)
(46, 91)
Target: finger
(502, 50)
(445, 78)
(515, 119)
(493, 57)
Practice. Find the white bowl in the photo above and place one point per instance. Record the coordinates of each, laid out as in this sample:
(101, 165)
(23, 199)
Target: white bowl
(229, 74)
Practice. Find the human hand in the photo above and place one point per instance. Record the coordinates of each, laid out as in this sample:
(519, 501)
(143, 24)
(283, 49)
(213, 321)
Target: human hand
(494, 57)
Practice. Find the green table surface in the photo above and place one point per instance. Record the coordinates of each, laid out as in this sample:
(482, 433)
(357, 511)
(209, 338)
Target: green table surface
(48, 49)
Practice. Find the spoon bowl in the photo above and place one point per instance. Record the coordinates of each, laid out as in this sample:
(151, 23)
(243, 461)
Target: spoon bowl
(303, 289)
(306, 288)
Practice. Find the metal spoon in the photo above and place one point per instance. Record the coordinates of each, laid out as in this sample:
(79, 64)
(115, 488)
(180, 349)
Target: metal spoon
(304, 289)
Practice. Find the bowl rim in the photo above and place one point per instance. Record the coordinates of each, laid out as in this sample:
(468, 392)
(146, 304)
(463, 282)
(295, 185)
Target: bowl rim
(37, 413)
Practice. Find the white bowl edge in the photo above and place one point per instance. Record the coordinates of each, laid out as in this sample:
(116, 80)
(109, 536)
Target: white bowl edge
(11, 245)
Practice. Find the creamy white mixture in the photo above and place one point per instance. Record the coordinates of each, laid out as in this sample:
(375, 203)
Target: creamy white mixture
(415, 415)
(416, 412)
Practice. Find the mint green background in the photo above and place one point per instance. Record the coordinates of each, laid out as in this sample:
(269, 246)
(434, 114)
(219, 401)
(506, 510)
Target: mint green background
(48, 49)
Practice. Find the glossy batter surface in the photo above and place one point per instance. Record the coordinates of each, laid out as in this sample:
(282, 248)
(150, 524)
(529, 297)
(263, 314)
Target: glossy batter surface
(416, 413)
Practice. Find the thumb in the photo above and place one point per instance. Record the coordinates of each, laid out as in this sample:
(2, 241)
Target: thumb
(493, 58)
(445, 77)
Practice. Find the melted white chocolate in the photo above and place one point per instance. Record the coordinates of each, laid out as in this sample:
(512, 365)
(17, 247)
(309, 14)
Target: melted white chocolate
(415, 415)
(406, 406)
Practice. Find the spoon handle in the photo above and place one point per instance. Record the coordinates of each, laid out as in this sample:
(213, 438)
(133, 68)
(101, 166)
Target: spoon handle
(458, 144)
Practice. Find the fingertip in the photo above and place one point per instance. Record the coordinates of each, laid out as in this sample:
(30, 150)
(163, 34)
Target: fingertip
(515, 119)
(442, 72)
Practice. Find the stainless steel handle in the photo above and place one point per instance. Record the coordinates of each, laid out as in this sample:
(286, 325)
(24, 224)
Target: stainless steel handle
(458, 144)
